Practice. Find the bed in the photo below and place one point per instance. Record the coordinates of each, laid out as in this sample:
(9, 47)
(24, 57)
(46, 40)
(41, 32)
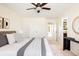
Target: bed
(28, 47)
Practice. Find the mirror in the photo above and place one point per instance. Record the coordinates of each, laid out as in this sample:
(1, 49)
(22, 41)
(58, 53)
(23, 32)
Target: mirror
(4, 23)
(75, 25)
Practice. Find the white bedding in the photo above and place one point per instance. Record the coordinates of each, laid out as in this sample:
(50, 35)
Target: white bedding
(48, 50)
(33, 49)
(11, 50)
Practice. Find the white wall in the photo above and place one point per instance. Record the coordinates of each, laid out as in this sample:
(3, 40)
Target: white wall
(13, 17)
(71, 14)
(59, 23)
(35, 26)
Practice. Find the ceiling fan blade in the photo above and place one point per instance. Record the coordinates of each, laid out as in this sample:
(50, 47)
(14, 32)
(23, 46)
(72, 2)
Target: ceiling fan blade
(30, 8)
(46, 8)
(38, 4)
(34, 4)
(43, 4)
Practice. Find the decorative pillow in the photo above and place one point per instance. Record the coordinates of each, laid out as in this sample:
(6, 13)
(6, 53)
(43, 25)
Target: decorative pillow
(11, 38)
(3, 40)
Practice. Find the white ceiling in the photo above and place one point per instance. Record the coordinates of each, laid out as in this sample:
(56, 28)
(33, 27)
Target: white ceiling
(57, 9)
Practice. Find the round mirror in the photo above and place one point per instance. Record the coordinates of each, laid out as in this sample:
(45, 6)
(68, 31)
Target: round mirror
(75, 25)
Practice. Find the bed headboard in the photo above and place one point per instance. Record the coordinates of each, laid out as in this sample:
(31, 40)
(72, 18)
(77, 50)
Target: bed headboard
(3, 37)
(7, 32)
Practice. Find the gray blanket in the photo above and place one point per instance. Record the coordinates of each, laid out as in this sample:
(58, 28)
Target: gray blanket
(21, 51)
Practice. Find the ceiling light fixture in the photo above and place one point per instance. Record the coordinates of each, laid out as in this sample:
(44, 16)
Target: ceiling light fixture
(39, 7)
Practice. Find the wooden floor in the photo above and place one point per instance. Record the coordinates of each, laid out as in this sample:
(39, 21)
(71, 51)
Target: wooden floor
(57, 49)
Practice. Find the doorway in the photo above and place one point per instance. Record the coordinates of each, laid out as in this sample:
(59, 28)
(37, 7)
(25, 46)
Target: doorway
(52, 31)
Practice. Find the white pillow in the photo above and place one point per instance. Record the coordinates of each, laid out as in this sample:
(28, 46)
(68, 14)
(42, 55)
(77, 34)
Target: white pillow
(11, 38)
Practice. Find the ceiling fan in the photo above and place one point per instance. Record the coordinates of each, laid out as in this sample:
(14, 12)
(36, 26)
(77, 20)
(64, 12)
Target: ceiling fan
(39, 6)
